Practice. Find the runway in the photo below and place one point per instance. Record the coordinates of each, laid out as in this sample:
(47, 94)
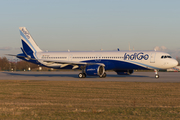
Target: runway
(73, 76)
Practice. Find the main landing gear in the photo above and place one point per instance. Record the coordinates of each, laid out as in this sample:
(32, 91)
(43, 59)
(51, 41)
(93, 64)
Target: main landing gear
(82, 75)
(103, 76)
(156, 74)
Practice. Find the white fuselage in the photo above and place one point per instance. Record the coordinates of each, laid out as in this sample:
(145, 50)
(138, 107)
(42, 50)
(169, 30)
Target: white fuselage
(141, 59)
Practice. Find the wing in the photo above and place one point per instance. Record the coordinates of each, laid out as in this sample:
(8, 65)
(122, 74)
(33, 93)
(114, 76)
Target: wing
(75, 64)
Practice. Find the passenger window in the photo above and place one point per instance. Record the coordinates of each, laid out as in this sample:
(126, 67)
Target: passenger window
(162, 56)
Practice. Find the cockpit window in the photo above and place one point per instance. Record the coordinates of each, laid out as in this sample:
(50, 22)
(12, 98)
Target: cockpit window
(165, 56)
(169, 56)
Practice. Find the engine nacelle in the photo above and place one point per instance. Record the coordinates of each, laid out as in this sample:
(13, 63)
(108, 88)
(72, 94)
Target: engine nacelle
(95, 70)
(124, 72)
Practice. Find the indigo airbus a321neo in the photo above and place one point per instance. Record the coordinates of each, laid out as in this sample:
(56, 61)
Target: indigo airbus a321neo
(94, 63)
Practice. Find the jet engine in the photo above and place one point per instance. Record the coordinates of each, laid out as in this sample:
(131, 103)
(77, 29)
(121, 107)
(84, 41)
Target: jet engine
(95, 70)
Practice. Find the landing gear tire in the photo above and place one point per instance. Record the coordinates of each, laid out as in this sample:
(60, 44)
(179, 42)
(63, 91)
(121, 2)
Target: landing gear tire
(156, 76)
(103, 76)
(82, 75)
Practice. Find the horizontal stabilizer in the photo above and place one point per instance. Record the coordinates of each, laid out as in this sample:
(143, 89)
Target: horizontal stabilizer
(18, 56)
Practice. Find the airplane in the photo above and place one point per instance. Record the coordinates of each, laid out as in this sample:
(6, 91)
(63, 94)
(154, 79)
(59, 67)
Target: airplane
(94, 63)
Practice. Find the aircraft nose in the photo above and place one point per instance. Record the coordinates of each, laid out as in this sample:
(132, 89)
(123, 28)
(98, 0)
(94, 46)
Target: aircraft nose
(174, 63)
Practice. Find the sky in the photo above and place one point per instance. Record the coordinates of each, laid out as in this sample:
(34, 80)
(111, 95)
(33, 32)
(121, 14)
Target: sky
(91, 25)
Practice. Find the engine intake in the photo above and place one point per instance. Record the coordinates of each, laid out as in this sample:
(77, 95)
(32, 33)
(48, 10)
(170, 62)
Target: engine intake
(95, 70)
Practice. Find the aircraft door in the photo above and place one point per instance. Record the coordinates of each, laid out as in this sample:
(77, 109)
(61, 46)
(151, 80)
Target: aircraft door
(70, 57)
(152, 57)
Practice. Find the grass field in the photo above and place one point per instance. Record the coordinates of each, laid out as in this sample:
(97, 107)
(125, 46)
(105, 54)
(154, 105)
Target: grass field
(85, 100)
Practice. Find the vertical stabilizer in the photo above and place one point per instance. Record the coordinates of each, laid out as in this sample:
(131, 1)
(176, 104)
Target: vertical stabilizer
(28, 43)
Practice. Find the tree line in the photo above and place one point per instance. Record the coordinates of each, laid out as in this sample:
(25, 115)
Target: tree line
(20, 65)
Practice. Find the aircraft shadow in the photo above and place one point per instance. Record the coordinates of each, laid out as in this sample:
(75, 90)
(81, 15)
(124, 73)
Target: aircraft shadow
(110, 75)
(42, 75)
(68, 75)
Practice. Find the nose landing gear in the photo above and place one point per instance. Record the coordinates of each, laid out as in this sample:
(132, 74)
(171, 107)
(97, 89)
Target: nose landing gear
(156, 74)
